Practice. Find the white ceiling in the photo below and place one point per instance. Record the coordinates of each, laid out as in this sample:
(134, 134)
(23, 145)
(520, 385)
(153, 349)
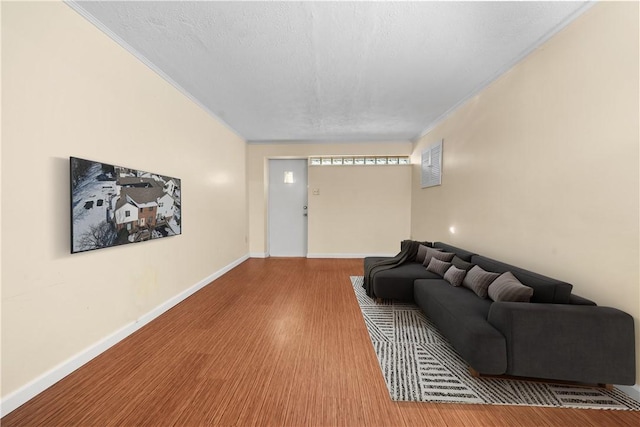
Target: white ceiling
(330, 71)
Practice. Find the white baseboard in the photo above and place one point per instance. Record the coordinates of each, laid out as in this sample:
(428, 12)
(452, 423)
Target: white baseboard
(333, 255)
(258, 255)
(46, 380)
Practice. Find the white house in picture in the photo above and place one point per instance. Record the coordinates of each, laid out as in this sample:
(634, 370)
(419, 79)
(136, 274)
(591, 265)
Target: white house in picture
(165, 207)
(170, 186)
(126, 214)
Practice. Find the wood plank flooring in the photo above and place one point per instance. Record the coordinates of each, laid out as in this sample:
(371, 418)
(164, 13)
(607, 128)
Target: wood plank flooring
(274, 342)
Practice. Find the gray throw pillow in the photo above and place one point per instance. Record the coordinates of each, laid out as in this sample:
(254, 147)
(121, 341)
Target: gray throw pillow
(479, 280)
(508, 288)
(455, 275)
(434, 253)
(438, 267)
(422, 253)
(461, 264)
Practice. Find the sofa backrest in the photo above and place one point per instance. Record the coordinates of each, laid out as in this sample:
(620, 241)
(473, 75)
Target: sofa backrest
(462, 254)
(545, 289)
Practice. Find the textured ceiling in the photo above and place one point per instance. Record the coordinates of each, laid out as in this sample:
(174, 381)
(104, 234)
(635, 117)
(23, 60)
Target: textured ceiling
(330, 71)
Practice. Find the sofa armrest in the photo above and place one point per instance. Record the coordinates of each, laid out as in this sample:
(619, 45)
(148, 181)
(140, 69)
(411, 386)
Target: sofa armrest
(579, 343)
(578, 300)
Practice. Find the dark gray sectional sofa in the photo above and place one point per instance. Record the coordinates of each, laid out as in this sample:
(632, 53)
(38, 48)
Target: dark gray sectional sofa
(557, 335)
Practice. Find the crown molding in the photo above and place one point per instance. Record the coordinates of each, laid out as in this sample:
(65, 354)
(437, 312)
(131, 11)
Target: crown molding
(505, 68)
(126, 46)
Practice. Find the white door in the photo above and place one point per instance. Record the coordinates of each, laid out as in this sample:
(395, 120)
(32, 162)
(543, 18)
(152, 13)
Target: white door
(288, 208)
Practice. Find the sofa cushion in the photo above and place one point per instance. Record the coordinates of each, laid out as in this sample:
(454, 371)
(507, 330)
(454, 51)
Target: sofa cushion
(397, 283)
(438, 267)
(461, 264)
(438, 254)
(462, 318)
(422, 253)
(461, 253)
(454, 275)
(545, 289)
(508, 288)
(478, 280)
(404, 243)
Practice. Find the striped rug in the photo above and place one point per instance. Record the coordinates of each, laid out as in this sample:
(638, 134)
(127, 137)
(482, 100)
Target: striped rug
(418, 364)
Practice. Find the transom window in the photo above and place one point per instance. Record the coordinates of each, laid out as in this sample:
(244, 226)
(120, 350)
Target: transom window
(359, 161)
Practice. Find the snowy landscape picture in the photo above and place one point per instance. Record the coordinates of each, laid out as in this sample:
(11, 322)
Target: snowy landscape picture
(113, 205)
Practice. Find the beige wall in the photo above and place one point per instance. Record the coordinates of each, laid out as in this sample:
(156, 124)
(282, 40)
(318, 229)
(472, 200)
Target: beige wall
(352, 232)
(541, 168)
(360, 209)
(69, 90)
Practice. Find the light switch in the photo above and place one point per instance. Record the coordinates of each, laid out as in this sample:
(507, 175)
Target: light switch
(316, 191)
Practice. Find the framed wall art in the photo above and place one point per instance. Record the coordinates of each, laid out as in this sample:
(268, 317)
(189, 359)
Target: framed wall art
(115, 205)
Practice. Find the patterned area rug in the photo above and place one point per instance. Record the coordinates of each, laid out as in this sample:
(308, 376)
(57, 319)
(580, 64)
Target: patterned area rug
(419, 364)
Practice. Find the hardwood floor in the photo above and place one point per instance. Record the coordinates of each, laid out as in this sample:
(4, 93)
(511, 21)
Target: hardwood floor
(278, 342)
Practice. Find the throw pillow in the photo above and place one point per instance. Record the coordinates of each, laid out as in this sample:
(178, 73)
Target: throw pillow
(422, 253)
(438, 267)
(455, 275)
(479, 280)
(508, 288)
(434, 253)
(461, 264)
